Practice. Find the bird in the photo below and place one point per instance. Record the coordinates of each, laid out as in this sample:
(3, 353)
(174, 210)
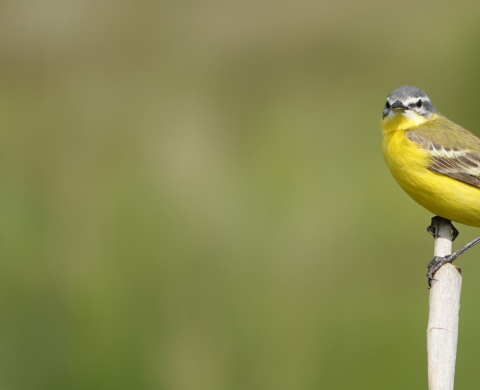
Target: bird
(434, 160)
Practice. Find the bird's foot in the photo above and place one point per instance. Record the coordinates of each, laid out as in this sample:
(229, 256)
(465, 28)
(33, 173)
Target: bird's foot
(432, 229)
(436, 264)
(455, 232)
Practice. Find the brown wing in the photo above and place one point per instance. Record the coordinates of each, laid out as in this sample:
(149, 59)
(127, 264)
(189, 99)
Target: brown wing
(455, 159)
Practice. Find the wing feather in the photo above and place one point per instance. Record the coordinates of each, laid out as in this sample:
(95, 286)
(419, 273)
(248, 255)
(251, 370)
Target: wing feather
(455, 151)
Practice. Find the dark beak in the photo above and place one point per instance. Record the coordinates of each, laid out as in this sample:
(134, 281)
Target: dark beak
(398, 106)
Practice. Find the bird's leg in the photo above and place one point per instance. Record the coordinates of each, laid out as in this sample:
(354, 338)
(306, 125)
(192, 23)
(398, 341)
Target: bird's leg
(437, 261)
(433, 230)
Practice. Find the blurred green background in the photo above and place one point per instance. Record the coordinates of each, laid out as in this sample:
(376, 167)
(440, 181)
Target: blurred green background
(193, 196)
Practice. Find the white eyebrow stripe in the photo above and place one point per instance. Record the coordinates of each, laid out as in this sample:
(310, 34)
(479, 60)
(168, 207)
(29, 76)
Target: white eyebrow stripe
(412, 100)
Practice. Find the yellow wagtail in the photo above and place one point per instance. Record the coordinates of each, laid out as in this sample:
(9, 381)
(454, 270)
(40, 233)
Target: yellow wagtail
(435, 161)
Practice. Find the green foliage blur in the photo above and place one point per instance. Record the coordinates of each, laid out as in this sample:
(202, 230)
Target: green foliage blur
(193, 196)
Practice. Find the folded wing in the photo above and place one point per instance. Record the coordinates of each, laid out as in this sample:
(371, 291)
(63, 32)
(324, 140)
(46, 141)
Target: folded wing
(455, 152)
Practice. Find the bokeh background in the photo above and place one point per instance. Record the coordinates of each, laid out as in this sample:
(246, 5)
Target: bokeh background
(193, 196)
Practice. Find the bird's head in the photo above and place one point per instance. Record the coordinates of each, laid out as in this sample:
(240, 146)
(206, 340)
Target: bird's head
(406, 107)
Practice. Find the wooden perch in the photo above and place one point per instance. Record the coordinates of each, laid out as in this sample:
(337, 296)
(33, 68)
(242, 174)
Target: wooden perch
(442, 331)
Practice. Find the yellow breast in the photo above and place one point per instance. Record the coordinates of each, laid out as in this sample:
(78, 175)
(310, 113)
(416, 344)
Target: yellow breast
(440, 194)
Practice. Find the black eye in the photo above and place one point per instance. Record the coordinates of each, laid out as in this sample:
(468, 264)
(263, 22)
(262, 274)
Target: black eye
(387, 104)
(419, 103)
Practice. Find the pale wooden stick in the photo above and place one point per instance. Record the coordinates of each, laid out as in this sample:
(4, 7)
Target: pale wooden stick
(442, 332)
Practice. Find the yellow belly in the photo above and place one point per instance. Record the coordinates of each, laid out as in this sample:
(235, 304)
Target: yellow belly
(440, 194)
